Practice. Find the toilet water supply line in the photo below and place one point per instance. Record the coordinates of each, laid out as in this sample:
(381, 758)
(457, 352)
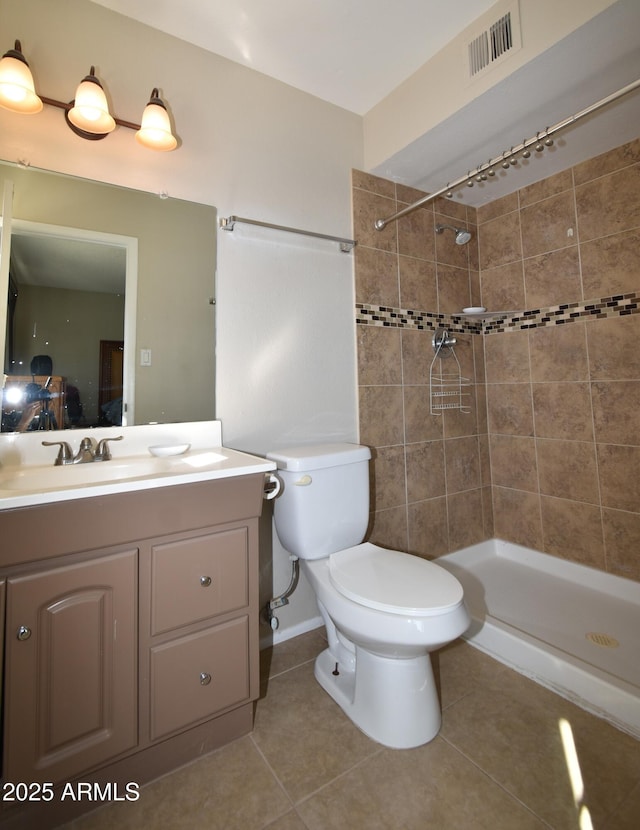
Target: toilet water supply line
(272, 488)
(508, 158)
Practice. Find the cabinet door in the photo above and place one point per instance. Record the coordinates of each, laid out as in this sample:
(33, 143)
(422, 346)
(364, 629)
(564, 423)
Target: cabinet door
(71, 678)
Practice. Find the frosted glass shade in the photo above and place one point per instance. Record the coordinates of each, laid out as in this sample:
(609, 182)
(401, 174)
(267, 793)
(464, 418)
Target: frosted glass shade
(90, 112)
(155, 129)
(17, 91)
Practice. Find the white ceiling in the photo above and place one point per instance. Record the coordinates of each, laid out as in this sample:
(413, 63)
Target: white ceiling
(349, 52)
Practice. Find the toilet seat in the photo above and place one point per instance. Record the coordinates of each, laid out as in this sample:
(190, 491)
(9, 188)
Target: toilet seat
(395, 582)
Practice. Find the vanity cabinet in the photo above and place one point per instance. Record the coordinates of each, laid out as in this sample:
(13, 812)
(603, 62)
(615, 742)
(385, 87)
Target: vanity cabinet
(199, 644)
(131, 635)
(71, 685)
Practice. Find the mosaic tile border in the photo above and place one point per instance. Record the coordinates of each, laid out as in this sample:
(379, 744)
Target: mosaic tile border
(497, 322)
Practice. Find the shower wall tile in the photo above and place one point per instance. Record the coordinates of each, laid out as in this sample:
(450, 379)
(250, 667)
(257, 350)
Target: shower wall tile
(454, 289)
(550, 455)
(373, 184)
(517, 517)
(505, 204)
(502, 286)
(406, 277)
(379, 358)
(613, 349)
(367, 207)
(505, 357)
(622, 542)
(417, 355)
(513, 462)
(389, 528)
(548, 225)
(419, 425)
(619, 193)
(500, 242)
(416, 234)
(616, 411)
(573, 531)
(462, 456)
(610, 162)
(418, 283)
(563, 410)
(551, 186)
(376, 276)
(425, 471)
(510, 408)
(388, 478)
(465, 519)
(619, 472)
(428, 528)
(553, 278)
(611, 264)
(558, 353)
(381, 417)
(568, 470)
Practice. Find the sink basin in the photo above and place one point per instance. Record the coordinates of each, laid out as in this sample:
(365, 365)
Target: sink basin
(32, 479)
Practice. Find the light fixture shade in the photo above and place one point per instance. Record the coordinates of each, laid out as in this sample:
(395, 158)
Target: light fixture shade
(17, 90)
(155, 129)
(90, 111)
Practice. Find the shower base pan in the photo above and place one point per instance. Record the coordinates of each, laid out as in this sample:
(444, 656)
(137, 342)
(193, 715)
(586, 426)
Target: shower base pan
(571, 628)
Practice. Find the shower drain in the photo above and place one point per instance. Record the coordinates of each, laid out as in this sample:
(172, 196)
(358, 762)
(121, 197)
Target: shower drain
(604, 640)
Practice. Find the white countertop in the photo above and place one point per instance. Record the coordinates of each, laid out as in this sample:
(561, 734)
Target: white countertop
(28, 476)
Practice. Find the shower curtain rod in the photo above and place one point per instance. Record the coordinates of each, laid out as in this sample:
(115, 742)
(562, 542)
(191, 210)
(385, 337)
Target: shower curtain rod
(227, 224)
(507, 159)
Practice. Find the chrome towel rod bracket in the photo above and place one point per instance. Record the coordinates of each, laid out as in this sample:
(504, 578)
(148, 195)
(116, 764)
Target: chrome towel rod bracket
(228, 223)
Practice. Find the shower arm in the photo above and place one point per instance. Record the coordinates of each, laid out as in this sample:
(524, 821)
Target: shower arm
(508, 157)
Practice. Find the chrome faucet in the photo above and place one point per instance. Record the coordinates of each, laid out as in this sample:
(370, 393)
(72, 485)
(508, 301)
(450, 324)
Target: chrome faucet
(87, 452)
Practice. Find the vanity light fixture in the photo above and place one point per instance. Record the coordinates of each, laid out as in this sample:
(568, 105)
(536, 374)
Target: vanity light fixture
(88, 114)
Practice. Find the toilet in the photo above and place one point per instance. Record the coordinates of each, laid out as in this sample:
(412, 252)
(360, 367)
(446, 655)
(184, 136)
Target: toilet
(384, 611)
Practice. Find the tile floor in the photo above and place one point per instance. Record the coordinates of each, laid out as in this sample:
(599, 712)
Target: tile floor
(497, 764)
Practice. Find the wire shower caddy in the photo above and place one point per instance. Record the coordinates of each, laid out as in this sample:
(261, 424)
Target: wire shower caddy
(447, 389)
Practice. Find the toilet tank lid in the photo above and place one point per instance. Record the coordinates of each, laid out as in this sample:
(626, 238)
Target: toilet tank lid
(318, 456)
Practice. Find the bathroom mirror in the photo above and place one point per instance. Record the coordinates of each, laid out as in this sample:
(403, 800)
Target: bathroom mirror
(130, 271)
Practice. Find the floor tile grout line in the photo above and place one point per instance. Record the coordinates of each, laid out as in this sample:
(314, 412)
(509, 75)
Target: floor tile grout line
(274, 774)
(496, 782)
(376, 751)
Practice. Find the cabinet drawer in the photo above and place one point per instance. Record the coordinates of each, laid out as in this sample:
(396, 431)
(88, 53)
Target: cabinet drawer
(196, 676)
(195, 579)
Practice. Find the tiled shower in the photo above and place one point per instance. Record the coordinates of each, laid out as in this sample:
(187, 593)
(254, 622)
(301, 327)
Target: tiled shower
(549, 456)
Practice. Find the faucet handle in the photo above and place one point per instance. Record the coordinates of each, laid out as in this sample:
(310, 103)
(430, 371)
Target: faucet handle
(103, 453)
(65, 453)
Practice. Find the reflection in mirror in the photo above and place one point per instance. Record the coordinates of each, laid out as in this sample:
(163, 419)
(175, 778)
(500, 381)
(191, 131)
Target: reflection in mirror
(64, 350)
(158, 361)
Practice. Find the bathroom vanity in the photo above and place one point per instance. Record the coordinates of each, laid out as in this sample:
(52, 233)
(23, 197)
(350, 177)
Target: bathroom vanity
(130, 631)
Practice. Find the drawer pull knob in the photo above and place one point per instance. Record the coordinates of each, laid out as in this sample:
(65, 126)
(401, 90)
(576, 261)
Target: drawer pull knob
(24, 632)
(205, 678)
(205, 581)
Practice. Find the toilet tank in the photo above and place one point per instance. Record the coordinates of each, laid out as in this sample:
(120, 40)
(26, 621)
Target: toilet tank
(324, 504)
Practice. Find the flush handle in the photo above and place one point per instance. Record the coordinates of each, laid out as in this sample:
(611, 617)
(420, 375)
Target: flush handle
(303, 481)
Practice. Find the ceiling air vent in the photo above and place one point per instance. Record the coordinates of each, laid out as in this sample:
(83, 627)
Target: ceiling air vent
(495, 42)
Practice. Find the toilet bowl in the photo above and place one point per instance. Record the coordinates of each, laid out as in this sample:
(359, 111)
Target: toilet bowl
(384, 611)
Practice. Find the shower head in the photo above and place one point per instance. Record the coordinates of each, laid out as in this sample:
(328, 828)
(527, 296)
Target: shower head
(462, 234)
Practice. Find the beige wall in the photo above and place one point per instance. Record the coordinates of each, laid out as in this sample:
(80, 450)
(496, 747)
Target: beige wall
(555, 439)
